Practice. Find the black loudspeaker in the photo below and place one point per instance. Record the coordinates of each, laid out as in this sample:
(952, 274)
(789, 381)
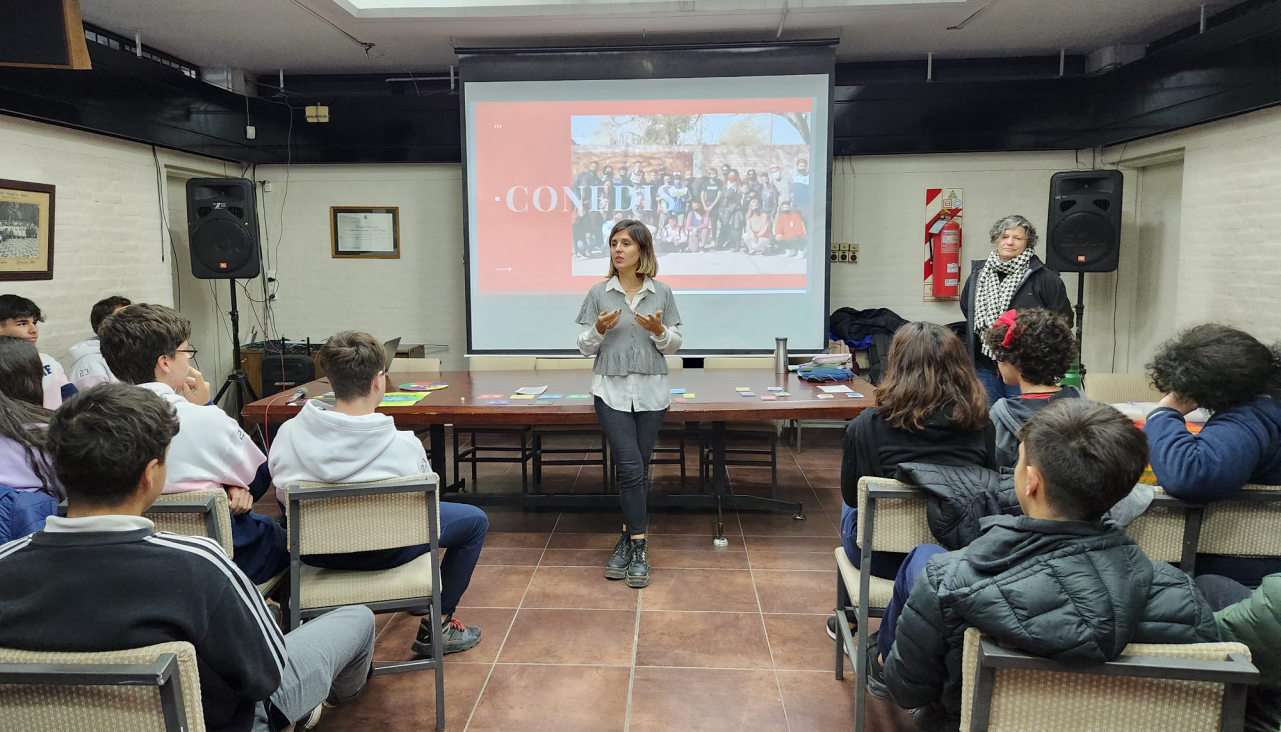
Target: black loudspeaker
(1084, 225)
(222, 224)
(286, 372)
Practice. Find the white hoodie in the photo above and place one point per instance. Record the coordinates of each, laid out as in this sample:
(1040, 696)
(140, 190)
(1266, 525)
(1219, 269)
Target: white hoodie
(210, 450)
(328, 447)
(53, 380)
(88, 367)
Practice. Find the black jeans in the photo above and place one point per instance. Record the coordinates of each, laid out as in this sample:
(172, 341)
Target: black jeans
(631, 437)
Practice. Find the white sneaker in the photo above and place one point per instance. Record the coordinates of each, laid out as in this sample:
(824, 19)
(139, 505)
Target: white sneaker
(313, 719)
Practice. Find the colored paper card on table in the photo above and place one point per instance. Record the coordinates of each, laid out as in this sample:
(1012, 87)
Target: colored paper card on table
(742, 388)
(854, 395)
(401, 399)
(746, 393)
(423, 386)
(768, 398)
(498, 403)
(542, 403)
(490, 396)
(531, 390)
(678, 391)
(826, 396)
(522, 396)
(688, 396)
(553, 396)
(782, 393)
(774, 388)
(579, 396)
(838, 389)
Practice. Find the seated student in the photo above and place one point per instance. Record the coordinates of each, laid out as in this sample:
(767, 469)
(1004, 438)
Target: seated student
(147, 345)
(88, 367)
(1252, 618)
(24, 464)
(930, 408)
(1238, 379)
(21, 318)
(1034, 349)
(353, 444)
(1056, 582)
(103, 579)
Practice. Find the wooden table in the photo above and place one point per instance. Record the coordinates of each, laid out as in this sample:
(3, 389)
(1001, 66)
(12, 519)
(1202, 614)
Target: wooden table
(716, 401)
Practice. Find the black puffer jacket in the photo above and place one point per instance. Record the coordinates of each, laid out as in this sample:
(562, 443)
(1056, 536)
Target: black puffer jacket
(960, 498)
(873, 448)
(1072, 591)
(1042, 288)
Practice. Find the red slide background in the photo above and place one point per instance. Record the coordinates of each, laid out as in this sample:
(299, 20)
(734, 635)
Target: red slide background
(528, 144)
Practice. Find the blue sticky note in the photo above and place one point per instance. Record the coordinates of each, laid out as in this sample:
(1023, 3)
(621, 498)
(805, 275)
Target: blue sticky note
(746, 394)
(553, 396)
(853, 395)
(498, 402)
(678, 391)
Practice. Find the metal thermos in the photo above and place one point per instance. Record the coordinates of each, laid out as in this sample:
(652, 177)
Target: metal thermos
(780, 355)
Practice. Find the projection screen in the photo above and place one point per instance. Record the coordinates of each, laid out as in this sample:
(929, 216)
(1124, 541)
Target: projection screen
(730, 172)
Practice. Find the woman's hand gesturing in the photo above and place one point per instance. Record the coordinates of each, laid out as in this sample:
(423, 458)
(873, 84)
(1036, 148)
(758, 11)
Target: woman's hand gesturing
(652, 323)
(607, 320)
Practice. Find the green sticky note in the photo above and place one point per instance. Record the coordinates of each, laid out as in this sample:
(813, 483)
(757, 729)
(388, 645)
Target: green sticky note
(579, 396)
(781, 393)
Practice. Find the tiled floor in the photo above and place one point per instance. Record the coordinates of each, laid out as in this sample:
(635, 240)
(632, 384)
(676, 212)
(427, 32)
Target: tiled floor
(722, 639)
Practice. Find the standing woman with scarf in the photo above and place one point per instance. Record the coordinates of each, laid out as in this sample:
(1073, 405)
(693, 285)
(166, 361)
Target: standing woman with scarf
(1012, 278)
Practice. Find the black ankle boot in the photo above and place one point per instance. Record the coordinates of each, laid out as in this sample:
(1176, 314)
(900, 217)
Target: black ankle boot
(638, 569)
(616, 568)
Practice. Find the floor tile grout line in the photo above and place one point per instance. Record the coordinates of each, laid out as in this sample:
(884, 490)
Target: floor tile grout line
(507, 635)
(769, 648)
(631, 678)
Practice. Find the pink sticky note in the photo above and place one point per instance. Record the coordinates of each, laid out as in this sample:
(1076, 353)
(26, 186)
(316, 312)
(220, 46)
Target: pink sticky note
(490, 396)
(768, 398)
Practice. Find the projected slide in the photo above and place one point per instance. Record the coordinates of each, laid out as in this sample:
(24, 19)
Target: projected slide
(729, 175)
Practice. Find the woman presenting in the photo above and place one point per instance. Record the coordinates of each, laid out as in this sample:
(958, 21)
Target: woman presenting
(1012, 278)
(630, 382)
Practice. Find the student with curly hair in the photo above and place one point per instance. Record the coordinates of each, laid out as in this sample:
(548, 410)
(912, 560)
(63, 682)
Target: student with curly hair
(1238, 379)
(1033, 349)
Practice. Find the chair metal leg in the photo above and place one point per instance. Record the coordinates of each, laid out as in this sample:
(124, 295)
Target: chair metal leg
(799, 424)
(841, 601)
(773, 466)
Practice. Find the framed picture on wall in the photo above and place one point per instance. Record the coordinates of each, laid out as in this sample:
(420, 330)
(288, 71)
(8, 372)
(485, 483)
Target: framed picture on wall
(365, 233)
(26, 231)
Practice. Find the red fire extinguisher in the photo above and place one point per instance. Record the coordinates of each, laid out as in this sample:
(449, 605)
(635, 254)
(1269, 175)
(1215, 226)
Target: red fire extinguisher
(946, 253)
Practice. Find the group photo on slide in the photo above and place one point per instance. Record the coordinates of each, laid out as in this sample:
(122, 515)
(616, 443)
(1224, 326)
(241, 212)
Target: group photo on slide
(720, 193)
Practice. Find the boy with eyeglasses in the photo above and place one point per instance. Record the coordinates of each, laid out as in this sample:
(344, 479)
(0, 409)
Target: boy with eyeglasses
(146, 345)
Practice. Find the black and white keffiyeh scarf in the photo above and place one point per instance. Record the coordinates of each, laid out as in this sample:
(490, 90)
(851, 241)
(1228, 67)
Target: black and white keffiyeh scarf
(995, 292)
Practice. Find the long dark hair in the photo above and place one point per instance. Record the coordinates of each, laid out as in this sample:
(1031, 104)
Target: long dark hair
(22, 413)
(928, 370)
(1217, 366)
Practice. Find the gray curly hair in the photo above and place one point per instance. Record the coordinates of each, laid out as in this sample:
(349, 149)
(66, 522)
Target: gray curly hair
(1011, 222)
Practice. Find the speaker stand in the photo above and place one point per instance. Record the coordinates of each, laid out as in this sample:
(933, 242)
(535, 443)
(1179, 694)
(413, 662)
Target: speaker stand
(237, 384)
(1080, 315)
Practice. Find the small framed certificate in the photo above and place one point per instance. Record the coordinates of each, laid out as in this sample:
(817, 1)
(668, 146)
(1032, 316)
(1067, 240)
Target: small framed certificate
(365, 233)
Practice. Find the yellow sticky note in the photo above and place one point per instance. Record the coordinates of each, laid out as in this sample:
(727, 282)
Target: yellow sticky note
(522, 396)
(689, 396)
(742, 388)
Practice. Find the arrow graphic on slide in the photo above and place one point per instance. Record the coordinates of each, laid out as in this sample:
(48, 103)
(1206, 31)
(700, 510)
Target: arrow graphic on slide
(504, 269)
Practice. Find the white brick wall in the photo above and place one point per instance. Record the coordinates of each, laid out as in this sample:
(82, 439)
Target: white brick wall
(419, 297)
(107, 231)
(878, 202)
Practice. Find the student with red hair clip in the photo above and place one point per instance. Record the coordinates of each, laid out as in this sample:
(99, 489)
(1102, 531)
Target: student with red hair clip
(1033, 350)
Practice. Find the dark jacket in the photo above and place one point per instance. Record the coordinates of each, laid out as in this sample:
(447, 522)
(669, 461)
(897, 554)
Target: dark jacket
(143, 588)
(1042, 288)
(1256, 622)
(960, 497)
(873, 448)
(1009, 415)
(23, 512)
(1072, 591)
(1237, 446)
